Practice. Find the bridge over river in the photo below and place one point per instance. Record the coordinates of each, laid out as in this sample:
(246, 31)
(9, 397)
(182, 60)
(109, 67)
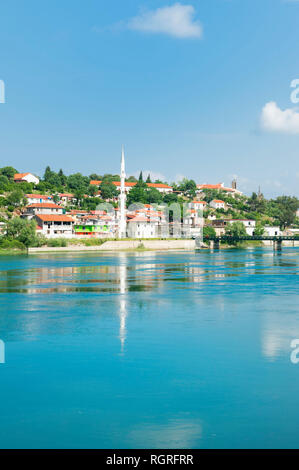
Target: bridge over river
(215, 242)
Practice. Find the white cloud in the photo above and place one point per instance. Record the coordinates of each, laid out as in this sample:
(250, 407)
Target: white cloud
(274, 119)
(176, 20)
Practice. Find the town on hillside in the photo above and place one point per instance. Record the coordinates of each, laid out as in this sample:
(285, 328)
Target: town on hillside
(55, 208)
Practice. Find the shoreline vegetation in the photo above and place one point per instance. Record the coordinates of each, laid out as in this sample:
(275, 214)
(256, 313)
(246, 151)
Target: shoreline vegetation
(111, 245)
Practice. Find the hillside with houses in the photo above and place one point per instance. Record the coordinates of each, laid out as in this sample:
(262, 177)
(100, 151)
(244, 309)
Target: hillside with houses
(57, 208)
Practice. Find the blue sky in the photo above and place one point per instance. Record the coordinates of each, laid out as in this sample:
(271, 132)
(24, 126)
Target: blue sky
(185, 86)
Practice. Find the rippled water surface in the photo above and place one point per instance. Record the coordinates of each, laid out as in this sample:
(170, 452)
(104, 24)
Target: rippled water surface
(150, 349)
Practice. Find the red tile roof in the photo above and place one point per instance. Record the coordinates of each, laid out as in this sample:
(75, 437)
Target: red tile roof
(97, 212)
(218, 186)
(45, 205)
(38, 196)
(210, 186)
(19, 176)
(54, 218)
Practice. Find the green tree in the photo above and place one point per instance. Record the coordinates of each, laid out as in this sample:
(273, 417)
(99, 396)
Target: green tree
(78, 182)
(62, 178)
(22, 230)
(131, 179)
(92, 190)
(3, 182)
(153, 196)
(137, 194)
(259, 230)
(170, 197)
(56, 198)
(148, 179)
(95, 177)
(210, 194)
(257, 203)
(209, 232)
(79, 195)
(235, 230)
(287, 207)
(8, 171)
(108, 190)
(188, 188)
(16, 198)
(47, 174)
(52, 178)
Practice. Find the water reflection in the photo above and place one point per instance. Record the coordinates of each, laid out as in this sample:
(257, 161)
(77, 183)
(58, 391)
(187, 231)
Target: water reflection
(123, 300)
(223, 280)
(177, 433)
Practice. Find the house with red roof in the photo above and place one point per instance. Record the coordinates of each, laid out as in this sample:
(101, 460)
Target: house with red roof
(218, 204)
(219, 187)
(35, 198)
(55, 226)
(25, 177)
(66, 198)
(42, 208)
(197, 205)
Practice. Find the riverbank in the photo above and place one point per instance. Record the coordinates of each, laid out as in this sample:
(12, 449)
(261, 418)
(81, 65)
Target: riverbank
(12, 251)
(135, 245)
(124, 245)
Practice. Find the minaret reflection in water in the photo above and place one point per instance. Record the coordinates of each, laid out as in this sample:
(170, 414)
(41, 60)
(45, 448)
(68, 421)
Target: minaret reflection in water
(122, 300)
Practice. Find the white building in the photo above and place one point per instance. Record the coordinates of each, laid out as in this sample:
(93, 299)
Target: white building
(54, 226)
(161, 187)
(142, 227)
(197, 205)
(27, 177)
(248, 224)
(42, 208)
(220, 225)
(37, 198)
(217, 204)
(66, 198)
(272, 231)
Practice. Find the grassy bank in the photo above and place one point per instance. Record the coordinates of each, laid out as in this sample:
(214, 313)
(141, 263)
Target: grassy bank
(9, 251)
(12, 247)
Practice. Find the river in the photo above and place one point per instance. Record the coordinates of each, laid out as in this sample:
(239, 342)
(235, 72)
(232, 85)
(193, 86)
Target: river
(150, 349)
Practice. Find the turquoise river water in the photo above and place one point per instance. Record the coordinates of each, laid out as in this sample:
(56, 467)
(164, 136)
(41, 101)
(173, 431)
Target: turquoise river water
(150, 350)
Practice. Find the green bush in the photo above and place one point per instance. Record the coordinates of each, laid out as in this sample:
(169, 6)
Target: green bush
(57, 242)
(6, 244)
(209, 232)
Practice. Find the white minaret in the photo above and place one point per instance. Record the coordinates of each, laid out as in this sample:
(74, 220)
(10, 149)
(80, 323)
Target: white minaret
(122, 198)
